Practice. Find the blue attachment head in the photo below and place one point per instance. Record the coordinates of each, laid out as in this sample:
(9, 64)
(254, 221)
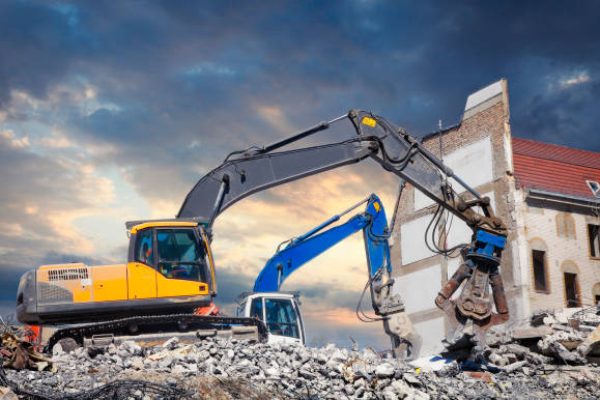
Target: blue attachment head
(487, 246)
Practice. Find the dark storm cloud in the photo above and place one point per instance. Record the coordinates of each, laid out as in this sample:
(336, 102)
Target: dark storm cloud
(185, 73)
(38, 47)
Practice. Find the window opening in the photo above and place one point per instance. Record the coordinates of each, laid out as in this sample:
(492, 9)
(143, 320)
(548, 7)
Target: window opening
(596, 293)
(571, 290)
(539, 270)
(594, 187)
(594, 238)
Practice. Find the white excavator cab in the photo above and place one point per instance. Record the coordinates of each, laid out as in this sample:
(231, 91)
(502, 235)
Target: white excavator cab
(280, 313)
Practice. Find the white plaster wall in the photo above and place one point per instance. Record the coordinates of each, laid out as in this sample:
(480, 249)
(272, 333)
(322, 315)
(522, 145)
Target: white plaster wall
(483, 95)
(413, 245)
(432, 332)
(472, 163)
(419, 288)
(453, 264)
(459, 233)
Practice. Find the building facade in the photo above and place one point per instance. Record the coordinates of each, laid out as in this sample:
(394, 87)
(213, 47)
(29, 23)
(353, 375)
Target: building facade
(552, 250)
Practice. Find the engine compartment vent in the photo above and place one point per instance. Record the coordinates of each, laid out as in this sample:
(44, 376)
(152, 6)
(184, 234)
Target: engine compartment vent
(67, 274)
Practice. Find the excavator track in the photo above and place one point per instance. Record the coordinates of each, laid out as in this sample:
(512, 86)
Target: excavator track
(147, 326)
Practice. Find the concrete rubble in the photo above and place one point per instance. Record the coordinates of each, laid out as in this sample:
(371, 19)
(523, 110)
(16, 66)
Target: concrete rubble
(565, 337)
(515, 365)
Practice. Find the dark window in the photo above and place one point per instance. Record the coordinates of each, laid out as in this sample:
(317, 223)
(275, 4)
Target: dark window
(539, 270)
(597, 297)
(144, 251)
(594, 235)
(571, 290)
(256, 308)
(281, 318)
(594, 187)
(180, 255)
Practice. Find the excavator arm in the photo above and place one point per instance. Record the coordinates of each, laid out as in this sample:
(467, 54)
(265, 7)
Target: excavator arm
(249, 171)
(300, 250)
(293, 254)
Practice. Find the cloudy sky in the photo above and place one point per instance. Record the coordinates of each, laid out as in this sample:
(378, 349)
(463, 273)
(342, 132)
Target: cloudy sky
(110, 111)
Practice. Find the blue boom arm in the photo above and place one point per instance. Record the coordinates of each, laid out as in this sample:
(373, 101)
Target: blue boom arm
(306, 247)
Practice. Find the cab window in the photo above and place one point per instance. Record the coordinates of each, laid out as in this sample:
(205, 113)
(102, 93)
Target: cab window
(239, 312)
(180, 255)
(256, 308)
(144, 251)
(281, 318)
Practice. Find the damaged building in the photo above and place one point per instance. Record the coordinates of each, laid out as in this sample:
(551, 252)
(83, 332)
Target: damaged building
(548, 194)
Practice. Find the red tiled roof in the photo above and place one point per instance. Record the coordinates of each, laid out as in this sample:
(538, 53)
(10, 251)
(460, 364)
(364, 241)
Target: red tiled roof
(554, 168)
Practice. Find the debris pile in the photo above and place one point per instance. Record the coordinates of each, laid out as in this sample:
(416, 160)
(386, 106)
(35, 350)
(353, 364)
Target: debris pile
(552, 358)
(218, 368)
(561, 338)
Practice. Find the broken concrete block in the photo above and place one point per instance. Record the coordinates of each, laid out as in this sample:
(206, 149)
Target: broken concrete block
(515, 366)
(590, 347)
(531, 333)
(559, 351)
(384, 370)
(516, 349)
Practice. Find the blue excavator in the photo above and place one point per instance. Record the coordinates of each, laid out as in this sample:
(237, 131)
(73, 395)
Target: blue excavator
(280, 310)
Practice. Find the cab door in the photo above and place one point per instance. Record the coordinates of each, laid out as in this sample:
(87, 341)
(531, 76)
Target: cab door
(283, 320)
(141, 274)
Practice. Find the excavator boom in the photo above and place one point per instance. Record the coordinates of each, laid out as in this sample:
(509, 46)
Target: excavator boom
(249, 171)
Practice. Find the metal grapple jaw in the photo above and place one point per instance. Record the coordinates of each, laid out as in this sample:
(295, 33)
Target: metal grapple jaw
(480, 270)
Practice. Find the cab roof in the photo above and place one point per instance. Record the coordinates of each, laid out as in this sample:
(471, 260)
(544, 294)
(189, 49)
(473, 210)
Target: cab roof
(134, 226)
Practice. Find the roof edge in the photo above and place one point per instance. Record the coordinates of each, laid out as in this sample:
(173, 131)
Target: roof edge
(562, 198)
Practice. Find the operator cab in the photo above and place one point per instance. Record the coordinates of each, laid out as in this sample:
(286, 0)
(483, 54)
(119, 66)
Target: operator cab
(280, 313)
(170, 259)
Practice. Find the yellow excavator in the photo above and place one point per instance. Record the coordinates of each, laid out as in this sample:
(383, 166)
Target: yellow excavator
(168, 283)
(165, 288)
